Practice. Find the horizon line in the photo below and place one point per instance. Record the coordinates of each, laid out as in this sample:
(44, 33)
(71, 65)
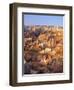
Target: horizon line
(45, 25)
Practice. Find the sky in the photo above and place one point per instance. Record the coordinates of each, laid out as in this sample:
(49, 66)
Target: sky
(31, 19)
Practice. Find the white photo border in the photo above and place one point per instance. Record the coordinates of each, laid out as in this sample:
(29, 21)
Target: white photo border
(45, 77)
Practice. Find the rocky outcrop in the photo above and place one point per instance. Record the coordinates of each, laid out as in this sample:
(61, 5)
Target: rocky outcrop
(43, 49)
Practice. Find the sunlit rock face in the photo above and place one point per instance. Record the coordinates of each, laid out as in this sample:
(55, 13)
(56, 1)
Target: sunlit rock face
(43, 49)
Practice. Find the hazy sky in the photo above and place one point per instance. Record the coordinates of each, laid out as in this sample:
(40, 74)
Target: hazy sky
(31, 19)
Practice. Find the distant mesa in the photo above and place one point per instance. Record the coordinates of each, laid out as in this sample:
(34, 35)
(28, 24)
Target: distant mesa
(37, 27)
